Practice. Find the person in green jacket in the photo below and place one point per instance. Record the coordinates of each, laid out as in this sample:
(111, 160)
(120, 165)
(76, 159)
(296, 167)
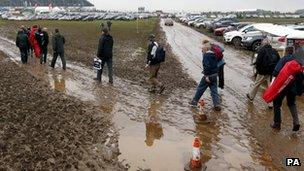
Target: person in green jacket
(58, 48)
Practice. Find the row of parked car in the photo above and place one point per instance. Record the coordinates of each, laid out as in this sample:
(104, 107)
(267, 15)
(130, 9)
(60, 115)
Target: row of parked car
(76, 16)
(245, 34)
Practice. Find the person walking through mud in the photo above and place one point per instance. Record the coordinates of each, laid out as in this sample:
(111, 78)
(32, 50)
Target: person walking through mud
(30, 48)
(209, 79)
(290, 91)
(22, 43)
(44, 45)
(105, 53)
(39, 38)
(218, 51)
(265, 63)
(153, 66)
(58, 42)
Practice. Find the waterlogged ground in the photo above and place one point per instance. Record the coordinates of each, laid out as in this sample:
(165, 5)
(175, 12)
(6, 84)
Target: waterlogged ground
(156, 132)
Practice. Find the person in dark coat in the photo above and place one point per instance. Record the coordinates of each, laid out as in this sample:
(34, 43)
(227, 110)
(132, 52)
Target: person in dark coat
(39, 38)
(45, 43)
(30, 48)
(290, 92)
(153, 67)
(58, 42)
(210, 70)
(105, 53)
(22, 43)
(264, 72)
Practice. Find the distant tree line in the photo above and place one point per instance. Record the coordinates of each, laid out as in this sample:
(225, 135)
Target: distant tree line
(45, 2)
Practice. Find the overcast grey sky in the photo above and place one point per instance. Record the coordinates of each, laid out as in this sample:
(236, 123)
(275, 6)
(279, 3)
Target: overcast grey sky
(199, 5)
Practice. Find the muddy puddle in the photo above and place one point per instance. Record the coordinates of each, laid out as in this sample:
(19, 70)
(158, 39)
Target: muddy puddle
(156, 132)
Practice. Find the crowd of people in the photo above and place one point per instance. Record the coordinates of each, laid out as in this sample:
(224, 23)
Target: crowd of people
(269, 65)
(35, 40)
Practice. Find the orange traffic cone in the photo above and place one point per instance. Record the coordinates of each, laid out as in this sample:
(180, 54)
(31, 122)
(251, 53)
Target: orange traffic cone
(196, 161)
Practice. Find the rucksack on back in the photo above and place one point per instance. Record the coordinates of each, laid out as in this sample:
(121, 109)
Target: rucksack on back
(218, 51)
(160, 54)
(271, 60)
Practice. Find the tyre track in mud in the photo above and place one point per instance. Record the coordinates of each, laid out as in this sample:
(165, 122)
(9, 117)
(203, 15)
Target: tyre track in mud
(242, 115)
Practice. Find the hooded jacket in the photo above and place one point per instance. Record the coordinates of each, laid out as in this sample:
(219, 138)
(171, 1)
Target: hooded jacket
(105, 47)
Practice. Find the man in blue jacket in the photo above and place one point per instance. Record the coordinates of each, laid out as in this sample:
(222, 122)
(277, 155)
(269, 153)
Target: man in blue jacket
(210, 70)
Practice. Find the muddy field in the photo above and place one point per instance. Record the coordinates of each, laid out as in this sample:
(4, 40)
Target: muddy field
(155, 128)
(129, 47)
(41, 129)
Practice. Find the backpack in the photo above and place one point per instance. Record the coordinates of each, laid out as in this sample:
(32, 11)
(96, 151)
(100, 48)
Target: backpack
(160, 55)
(218, 51)
(271, 60)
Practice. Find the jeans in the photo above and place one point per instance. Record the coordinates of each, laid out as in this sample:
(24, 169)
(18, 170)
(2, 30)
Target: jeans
(291, 103)
(24, 54)
(202, 87)
(109, 63)
(56, 54)
(43, 58)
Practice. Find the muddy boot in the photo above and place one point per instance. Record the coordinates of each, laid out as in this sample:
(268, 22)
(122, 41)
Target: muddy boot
(276, 126)
(295, 117)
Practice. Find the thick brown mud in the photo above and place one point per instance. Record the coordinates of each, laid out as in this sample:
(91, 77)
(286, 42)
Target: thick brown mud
(45, 130)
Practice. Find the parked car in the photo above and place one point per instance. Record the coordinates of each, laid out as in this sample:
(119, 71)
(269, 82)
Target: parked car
(218, 23)
(236, 37)
(236, 26)
(224, 23)
(169, 22)
(252, 42)
(219, 31)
